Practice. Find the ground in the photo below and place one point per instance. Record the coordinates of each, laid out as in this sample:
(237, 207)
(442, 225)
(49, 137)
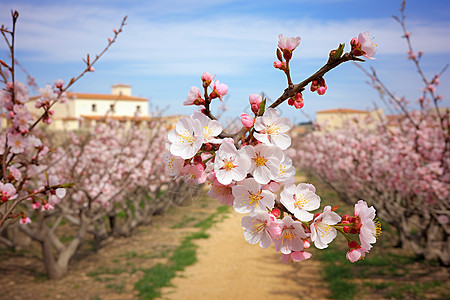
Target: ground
(224, 266)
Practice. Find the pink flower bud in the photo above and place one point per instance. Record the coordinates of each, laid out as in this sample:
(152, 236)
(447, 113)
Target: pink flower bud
(247, 120)
(206, 79)
(206, 76)
(91, 69)
(255, 102)
(25, 220)
(354, 42)
(299, 104)
(276, 212)
(321, 90)
(58, 83)
(298, 97)
(306, 244)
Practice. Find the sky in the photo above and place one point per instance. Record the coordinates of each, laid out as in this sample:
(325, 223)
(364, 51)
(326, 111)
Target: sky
(167, 44)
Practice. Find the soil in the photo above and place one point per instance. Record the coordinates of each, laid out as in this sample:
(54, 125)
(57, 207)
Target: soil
(230, 268)
(227, 268)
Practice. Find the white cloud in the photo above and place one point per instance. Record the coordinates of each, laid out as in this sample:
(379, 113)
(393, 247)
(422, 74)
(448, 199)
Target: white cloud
(66, 33)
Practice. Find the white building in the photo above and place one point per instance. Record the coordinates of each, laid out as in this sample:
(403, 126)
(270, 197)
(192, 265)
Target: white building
(84, 110)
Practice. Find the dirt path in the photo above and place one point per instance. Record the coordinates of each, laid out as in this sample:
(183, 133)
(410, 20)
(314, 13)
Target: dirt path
(230, 268)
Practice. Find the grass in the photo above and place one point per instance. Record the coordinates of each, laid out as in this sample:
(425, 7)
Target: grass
(102, 271)
(184, 221)
(386, 272)
(160, 275)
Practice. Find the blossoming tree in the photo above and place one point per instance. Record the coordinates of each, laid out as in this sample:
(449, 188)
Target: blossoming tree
(401, 164)
(250, 171)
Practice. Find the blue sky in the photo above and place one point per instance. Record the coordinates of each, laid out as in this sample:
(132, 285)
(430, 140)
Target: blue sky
(167, 44)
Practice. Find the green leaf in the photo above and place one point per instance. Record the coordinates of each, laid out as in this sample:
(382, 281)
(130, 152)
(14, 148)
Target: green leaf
(262, 107)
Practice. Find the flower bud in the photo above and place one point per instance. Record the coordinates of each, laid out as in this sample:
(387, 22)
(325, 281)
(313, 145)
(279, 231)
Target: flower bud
(206, 79)
(279, 55)
(321, 90)
(247, 120)
(276, 212)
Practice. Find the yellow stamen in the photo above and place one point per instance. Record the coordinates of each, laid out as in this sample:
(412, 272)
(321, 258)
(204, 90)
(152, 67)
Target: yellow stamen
(301, 201)
(259, 227)
(273, 129)
(187, 138)
(228, 165)
(377, 228)
(254, 198)
(260, 160)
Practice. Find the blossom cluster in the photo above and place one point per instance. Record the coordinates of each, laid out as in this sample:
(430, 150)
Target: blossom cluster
(252, 173)
(400, 162)
(24, 151)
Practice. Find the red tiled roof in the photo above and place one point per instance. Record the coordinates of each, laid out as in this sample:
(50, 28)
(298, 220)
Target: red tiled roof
(120, 118)
(100, 97)
(104, 97)
(343, 111)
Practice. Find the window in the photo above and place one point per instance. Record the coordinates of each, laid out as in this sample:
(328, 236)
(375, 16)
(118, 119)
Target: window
(138, 108)
(112, 108)
(94, 107)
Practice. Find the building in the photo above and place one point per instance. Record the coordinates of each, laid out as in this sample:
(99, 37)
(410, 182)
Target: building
(336, 118)
(84, 110)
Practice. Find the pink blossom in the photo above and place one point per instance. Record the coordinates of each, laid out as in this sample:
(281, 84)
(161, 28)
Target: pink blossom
(211, 128)
(322, 232)
(186, 138)
(47, 206)
(265, 162)
(15, 172)
(7, 192)
(25, 220)
(219, 90)
(35, 205)
(260, 228)
(223, 193)
(287, 45)
(365, 225)
(247, 121)
(299, 200)
(291, 237)
(59, 83)
(174, 164)
(206, 79)
(194, 174)
(443, 219)
(249, 197)
(295, 256)
(255, 102)
(367, 45)
(271, 129)
(194, 97)
(230, 164)
(279, 65)
(356, 252)
(17, 142)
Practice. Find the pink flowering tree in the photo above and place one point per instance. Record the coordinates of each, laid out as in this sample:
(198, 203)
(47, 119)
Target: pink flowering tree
(400, 164)
(116, 171)
(111, 168)
(251, 171)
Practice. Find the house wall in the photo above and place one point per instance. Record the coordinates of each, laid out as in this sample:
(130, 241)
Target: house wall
(335, 120)
(122, 108)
